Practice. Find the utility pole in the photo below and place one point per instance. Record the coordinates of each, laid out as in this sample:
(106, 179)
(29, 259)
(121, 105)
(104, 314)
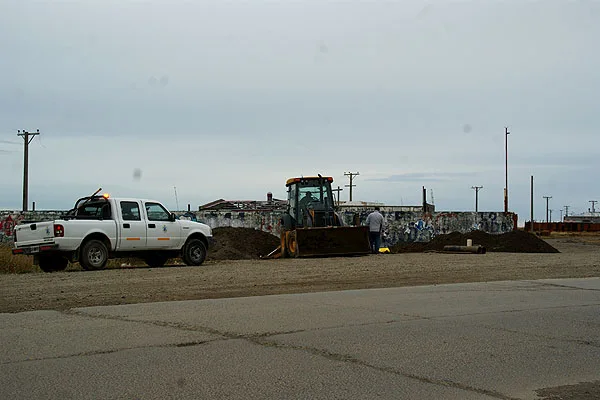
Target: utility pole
(476, 196)
(531, 210)
(561, 215)
(351, 175)
(593, 203)
(337, 196)
(566, 211)
(27, 138)
(550, 215)
(547, 198)
(506, 133)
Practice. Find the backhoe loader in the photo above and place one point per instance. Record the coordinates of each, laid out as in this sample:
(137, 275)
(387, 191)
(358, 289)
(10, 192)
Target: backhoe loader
(311, 227)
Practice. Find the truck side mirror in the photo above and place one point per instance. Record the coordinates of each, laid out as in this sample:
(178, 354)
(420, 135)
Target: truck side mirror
(172, 217)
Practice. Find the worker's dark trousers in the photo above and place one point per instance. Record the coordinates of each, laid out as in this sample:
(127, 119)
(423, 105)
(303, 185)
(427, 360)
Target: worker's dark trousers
(375, 240)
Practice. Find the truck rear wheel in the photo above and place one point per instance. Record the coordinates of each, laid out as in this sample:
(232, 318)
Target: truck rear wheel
(194, 252)
(52, 262)
(94, 255)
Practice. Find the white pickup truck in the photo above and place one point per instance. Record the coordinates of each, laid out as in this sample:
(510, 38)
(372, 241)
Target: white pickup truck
(102, 227)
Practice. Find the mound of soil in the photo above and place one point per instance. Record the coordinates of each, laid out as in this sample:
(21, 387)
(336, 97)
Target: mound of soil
(241, 244)
(511, 242)
(249, 243)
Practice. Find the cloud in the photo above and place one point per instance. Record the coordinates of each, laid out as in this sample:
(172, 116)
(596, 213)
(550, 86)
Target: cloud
(423, 177)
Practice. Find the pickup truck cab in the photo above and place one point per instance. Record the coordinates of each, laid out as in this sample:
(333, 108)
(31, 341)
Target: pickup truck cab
(101, 227)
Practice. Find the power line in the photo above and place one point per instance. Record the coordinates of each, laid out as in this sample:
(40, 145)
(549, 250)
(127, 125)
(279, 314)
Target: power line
(27, 138)
(9, 142)
(351, 175)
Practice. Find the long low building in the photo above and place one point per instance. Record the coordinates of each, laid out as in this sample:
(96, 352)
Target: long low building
(589, 218)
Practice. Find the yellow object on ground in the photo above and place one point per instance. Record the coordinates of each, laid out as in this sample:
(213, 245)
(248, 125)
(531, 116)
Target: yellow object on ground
(384, 250)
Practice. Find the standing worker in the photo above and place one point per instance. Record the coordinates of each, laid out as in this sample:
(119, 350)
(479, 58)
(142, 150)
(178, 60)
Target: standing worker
(375, 223)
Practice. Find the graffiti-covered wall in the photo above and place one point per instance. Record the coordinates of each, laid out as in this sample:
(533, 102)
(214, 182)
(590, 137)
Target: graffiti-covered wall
(267, 221)
(409, 227)
(8, 220)
(400, 226)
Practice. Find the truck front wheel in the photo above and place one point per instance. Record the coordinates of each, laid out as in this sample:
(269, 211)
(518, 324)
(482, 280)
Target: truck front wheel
(94, 255)
(194, 252)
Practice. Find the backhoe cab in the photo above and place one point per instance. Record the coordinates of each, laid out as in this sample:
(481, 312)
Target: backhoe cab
(312, 227)
(310, 203)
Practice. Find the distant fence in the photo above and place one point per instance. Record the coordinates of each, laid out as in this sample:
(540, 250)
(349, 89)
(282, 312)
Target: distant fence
(562, 227)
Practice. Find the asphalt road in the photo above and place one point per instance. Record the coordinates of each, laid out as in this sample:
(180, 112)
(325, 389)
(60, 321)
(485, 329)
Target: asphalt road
(499, 340)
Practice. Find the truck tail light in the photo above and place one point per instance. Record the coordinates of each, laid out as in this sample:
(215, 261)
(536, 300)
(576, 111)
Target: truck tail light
(59, 230)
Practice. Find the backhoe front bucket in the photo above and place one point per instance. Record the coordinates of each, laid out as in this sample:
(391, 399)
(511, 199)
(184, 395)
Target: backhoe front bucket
(326, 241)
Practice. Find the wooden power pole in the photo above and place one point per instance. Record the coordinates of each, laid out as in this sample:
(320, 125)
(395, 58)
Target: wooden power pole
(351, 175)
(27, 138)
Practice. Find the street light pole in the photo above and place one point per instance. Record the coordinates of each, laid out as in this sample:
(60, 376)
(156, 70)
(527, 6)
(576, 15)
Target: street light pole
(476, 188)
(506, 133)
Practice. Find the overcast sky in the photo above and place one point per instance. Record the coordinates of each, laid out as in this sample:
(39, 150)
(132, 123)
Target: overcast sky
(228, 99)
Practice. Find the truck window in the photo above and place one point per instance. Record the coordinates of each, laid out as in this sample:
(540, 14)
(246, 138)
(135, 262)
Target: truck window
(93, 210)
(130, 211)
(156, 212)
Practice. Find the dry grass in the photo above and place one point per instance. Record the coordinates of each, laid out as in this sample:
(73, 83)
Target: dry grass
(21, 264)
(15, 264)
(585, 237)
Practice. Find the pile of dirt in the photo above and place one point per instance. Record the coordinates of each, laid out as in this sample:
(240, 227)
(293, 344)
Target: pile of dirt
(249, 243)
(511, 242)
(241, 244)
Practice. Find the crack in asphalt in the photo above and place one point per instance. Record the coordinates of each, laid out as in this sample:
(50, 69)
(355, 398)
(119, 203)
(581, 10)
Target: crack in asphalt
(528, 334)
(100, 352)
(225, 335)
(519, 310)
(562, 286)
(339, 357)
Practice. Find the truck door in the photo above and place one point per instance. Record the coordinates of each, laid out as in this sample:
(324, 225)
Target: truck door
(162, 232)
(132, 229)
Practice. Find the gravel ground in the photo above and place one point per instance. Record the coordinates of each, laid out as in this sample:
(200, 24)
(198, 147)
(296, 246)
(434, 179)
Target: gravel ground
(578, 257)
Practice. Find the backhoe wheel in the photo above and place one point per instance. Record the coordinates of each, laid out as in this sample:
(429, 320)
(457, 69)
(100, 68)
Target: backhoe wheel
(291, 244)
(194, 252)
(94, 255)
(52, 262)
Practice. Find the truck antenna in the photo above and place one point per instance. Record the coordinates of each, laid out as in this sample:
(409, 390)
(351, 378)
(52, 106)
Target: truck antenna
(176, 201)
